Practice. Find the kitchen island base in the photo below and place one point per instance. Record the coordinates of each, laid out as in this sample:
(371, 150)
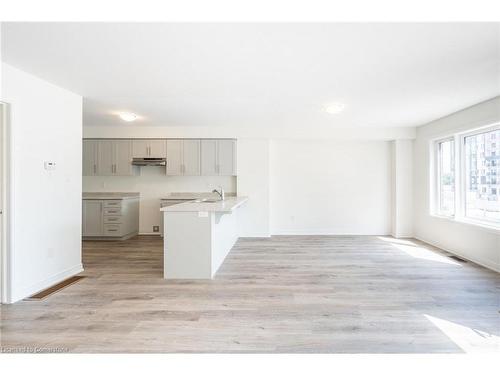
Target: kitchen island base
(197, 242)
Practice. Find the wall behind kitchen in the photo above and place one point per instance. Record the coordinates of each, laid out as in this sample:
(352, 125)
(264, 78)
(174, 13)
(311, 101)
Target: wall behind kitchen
(153, 184)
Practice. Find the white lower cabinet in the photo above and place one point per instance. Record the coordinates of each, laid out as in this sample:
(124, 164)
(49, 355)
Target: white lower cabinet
(117, 218)
(92, 218)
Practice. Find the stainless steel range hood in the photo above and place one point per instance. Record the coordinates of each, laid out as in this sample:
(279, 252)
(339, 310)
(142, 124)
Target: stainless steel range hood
(149, 162)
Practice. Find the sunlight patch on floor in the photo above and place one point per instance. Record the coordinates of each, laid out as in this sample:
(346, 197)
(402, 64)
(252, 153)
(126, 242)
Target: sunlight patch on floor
(419, 252)
(400, 241)
(468, 339)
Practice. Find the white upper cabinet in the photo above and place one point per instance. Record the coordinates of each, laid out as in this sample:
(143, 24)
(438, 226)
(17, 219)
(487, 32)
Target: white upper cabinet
(122, 154)
(218, 157)
(157, 148)
(209, 157)
(107, 158)
(89, 157)
(191, 157)
(140, 148)
(183, 157)
(226, 153)
(174, 157)
(105, 166)
(149, 148)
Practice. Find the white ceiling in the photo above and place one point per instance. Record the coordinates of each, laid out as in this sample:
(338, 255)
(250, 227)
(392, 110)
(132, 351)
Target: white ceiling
(250, 75)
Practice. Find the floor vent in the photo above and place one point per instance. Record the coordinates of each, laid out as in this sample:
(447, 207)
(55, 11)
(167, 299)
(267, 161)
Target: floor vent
(54, 289)
(457, 258)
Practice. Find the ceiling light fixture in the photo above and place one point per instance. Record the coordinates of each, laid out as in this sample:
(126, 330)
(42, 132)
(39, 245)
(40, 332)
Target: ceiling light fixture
(128, 116)
(335, 108)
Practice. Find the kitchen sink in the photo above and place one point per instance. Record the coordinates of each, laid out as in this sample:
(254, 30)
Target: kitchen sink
(205, 200)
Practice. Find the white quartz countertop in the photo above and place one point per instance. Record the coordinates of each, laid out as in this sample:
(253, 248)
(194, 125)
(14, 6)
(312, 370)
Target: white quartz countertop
(227, 205)
(110, 195)
(192, 196)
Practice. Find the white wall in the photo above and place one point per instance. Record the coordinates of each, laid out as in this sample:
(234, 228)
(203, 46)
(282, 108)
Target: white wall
(253, 181)
(251, 132)
(402, 188)
(330, 187)
(472, 242)
(46, 125)
(153, 184)
(1, 60)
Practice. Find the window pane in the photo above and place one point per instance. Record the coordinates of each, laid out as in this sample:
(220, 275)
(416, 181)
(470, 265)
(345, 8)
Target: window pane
(482, 173)
(447, 178)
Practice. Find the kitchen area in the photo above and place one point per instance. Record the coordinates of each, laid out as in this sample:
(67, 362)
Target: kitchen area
(147, 187)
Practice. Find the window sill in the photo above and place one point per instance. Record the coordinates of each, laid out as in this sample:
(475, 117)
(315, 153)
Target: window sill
(489, 228)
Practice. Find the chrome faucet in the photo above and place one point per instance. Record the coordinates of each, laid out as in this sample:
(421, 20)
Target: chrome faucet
(221, 193)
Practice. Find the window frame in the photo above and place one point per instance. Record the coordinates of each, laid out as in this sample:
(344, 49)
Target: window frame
(437, 176)
(460, 179)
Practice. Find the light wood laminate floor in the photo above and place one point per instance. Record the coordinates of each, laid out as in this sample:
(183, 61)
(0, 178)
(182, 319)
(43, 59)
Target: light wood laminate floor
(325, 294)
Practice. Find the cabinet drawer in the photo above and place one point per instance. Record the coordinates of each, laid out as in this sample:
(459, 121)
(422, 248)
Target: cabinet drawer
(112, 211)
(112, 219)
(112, 204)
(112, 230)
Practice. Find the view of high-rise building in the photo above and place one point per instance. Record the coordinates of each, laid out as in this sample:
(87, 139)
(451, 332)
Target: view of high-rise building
(482, 163)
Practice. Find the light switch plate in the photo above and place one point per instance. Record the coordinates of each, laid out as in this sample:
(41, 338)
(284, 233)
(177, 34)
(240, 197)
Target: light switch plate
(203, 214)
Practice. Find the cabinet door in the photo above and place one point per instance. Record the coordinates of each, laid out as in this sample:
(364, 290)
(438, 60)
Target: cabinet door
(89, 158)
(226, 164)
(191, 157)
(92, 218)
(105, 158)
(174, 157)
(157, 148)
(122, 158)
(208, 157)
(140, 148)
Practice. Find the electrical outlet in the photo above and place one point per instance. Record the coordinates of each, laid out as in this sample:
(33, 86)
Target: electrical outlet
(156, 228)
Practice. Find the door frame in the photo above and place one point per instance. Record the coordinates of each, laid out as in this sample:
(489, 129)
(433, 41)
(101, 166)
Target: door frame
(4, 202)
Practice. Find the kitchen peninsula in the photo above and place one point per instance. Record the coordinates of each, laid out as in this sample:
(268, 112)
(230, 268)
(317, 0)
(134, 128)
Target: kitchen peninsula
(200, 235)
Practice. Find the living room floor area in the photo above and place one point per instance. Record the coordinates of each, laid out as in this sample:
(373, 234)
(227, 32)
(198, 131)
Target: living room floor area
(292, 294)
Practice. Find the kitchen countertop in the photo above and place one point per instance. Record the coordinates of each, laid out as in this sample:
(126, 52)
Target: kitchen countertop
(227, 205)
(110, 195)
(193, 196)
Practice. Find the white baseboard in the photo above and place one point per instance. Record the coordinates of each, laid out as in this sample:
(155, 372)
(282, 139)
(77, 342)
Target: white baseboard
(149, 234)
(402, 235)
(324, 233)
(483, 263)
(255, 235)
(44, 284)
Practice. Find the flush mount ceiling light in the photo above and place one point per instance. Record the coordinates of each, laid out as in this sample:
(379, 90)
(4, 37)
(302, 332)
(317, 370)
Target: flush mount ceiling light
(128, 116)
(335, 108)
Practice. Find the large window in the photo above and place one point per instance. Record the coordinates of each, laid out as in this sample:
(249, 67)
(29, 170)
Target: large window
(446, 150)
(482, 169)
(471, 192)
